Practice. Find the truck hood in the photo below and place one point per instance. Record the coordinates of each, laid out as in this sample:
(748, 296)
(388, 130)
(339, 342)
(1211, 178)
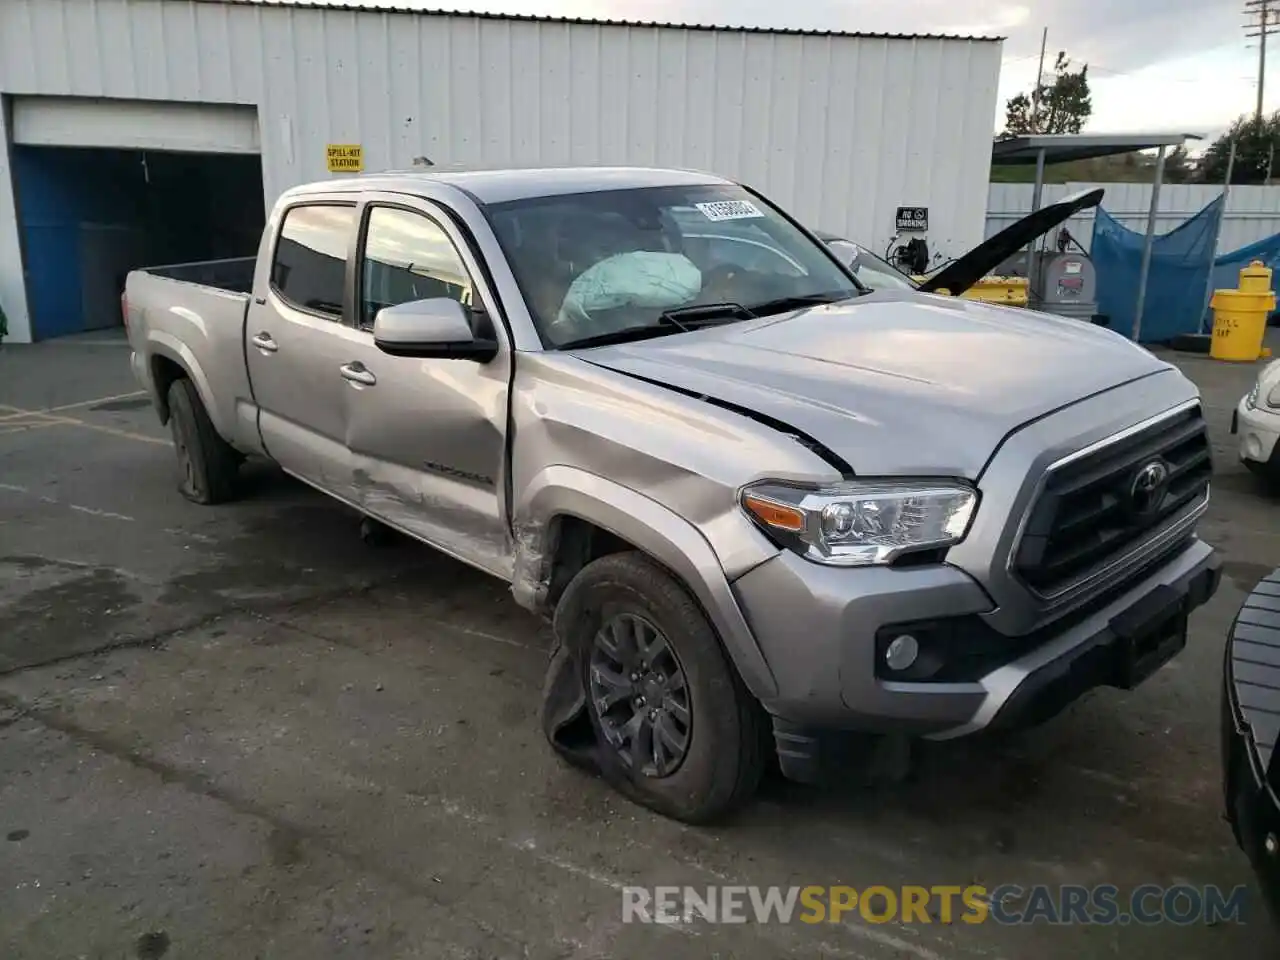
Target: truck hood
(965, 271)
(894, 382)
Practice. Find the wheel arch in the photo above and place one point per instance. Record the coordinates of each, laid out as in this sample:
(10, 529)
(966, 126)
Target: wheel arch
(561, 499)
(168, 360)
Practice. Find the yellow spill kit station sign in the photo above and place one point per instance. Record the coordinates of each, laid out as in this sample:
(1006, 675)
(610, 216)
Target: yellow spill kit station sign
(345, 157)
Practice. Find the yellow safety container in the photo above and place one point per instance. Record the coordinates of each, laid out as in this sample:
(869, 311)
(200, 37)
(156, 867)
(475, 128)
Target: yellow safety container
(1009, 291)
(1006, 291)
(1240, 316)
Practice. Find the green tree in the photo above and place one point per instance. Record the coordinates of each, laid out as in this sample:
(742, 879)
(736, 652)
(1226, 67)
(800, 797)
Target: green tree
(1257, 148)
(1065, 104)
(1178, 167)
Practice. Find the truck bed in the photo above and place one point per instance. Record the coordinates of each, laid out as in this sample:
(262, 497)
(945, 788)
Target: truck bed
(193, 314)
(234, 275)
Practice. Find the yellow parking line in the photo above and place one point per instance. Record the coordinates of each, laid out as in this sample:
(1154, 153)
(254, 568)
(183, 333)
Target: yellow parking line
(46, 420)
(89, 403)
(32, 425)
(23, 419)
(19, 412)
(128, 435)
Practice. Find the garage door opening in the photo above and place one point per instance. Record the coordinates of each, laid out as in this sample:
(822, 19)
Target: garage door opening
(88, 216)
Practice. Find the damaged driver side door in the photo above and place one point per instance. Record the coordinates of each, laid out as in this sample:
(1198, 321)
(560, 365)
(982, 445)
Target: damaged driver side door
(427, 436)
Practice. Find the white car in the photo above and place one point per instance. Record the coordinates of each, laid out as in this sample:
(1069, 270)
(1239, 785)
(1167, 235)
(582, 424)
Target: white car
(1257, 423)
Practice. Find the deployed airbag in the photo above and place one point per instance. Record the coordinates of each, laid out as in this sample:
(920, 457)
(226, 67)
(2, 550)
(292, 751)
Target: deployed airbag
(641, 278)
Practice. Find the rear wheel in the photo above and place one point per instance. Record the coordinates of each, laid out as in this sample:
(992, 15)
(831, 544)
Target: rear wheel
(208, 467)
(677, 731)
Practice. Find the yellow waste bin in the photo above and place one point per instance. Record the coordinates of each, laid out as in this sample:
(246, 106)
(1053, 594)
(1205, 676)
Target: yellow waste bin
(1240, 316)
(1006, 291)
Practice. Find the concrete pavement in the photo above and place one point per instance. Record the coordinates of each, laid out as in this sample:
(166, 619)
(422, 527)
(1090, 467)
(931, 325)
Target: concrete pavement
(238, 731)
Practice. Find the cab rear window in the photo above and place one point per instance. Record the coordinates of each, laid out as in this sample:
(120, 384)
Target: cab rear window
(310, 262)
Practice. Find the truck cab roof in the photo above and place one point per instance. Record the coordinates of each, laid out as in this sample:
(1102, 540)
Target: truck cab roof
(506, 184)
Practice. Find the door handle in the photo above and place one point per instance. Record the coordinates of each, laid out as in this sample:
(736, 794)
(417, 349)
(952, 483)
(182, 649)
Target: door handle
(355, 373)
(264, 343)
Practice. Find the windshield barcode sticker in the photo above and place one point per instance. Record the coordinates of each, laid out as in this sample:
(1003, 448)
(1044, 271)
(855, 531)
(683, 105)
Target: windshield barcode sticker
(729, 210)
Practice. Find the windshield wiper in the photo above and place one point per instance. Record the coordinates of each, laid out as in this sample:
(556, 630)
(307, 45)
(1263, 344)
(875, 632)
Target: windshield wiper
(625, 335)
(705, 314)
(782, 304)
(676, 320)
(698, 315)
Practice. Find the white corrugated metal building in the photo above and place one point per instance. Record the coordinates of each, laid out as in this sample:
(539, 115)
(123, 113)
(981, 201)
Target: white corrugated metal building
(144, 131)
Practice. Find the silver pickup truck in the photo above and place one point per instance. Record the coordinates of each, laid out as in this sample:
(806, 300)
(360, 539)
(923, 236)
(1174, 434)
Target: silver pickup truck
(766, 507)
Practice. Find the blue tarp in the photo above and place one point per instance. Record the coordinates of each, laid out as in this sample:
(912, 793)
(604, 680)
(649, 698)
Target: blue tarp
(1180, 265)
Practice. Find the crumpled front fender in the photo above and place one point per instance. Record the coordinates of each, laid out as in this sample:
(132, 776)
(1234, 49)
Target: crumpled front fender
(564, 491)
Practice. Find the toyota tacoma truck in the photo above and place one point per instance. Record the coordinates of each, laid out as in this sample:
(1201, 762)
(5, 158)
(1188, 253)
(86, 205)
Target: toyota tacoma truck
(762, 504)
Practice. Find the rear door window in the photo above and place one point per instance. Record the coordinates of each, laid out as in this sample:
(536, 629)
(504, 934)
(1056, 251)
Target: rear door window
(310, 265)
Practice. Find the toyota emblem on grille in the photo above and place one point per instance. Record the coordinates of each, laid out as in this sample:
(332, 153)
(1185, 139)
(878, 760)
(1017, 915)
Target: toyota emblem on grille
(1146, 492)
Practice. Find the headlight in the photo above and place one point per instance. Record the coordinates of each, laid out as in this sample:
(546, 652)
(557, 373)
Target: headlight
(1251, 401)
(1273, 398)
(860, 523)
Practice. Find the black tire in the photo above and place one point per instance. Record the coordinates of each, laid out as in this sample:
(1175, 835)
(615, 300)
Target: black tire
(208, 467)
(726, 737)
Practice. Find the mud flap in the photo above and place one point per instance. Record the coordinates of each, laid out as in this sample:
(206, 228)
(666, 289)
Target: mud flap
(565, 721)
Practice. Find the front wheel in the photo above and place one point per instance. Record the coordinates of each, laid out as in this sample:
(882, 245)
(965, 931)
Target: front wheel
(676, 729)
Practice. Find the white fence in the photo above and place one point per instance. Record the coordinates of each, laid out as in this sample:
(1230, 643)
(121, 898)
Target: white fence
(1252, 212)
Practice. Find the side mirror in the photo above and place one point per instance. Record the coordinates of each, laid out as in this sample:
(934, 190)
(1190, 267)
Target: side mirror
(438, 327)
(846, 252)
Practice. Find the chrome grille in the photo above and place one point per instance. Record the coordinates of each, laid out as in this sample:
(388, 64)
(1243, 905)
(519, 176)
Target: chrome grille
(1093, 509)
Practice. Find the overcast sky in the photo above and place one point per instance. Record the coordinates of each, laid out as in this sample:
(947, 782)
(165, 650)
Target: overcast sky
(1155, 64)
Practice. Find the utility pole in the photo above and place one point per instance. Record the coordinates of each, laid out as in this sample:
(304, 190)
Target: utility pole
(1035, 91)
(1263, 22)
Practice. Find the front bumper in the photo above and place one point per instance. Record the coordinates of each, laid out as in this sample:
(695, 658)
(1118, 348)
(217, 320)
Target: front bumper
(820, 628)
(1250, 728)
(1258, 431)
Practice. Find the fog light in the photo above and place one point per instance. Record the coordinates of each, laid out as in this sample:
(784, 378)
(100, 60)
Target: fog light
(901, 652)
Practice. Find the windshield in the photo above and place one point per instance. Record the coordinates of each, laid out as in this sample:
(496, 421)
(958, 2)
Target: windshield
(871, 270)
(594, 264)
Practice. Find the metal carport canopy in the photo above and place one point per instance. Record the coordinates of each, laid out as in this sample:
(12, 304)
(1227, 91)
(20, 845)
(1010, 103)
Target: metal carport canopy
(1065, 147)
(1042, 148)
